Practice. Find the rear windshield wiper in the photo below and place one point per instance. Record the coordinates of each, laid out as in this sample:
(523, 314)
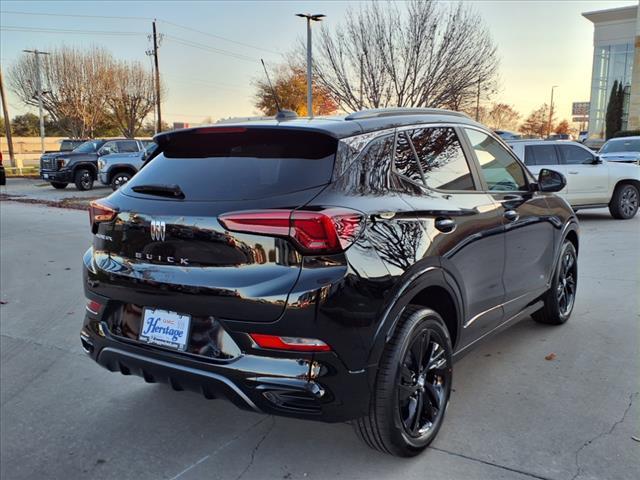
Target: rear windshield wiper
(171, 191)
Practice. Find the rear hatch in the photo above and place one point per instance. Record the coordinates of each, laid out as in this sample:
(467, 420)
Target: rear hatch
(166, 237)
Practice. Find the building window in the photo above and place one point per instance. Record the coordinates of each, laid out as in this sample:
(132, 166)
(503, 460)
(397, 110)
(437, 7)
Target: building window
(610, 63)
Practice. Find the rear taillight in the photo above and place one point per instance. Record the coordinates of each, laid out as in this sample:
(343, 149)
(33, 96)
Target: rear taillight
(297, 344)
(327, 231)
(100, 212)
(93, 307)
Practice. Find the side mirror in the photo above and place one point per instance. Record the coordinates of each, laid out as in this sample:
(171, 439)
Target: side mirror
(551, 181)
(596, 160)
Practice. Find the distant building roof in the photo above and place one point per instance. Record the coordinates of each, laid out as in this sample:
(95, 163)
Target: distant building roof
(612, 14)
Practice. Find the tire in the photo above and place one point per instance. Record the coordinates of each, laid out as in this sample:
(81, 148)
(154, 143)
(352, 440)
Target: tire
(624, 202)
(390, 426)
(83, 178)
(119, 179)
(560, 298)
(59, 185)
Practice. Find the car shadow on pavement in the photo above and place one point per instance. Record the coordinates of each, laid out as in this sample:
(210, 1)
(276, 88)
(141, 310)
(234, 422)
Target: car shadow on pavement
(214, 434)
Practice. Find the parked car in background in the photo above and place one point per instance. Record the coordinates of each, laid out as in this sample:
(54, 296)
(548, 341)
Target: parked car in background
(560, 136)
(583, 135)
(591, 181)
(68, 144)
(3, 174)
(329, 268)
(116, 169)
(624, 150)
(593, 143)
(80, 166)
(507, 135)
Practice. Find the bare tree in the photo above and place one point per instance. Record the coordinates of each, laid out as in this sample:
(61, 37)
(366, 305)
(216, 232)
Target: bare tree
(76, 84)
(132, 96)
(502, 117)
(429, 54)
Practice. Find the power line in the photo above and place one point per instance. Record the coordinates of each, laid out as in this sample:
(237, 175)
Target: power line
(204, 82)
(17, 28)
(210, 49)
(72, 15)
(247, 45)
(182, 41)
(219, 37)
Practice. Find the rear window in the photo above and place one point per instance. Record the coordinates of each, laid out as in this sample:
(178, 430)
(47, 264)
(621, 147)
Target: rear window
(625, 145)
(540, 155)
(240, 164)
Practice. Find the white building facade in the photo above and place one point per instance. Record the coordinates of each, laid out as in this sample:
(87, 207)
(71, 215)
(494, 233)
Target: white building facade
(616, 56)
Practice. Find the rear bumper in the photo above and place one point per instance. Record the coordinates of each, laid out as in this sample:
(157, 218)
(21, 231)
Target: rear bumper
(63, 176)
(300, 385)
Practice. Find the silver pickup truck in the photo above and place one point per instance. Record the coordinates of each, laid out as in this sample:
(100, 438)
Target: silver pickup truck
(117, 169)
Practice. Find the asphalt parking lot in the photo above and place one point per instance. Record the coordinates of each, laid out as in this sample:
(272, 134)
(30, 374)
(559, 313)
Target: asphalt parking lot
(517, 412)
(41, 191)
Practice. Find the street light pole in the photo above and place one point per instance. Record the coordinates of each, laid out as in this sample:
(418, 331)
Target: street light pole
(550, 111)
(316, 18)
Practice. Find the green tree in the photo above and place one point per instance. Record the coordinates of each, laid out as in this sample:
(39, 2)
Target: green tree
(27, 125)
(613, 118)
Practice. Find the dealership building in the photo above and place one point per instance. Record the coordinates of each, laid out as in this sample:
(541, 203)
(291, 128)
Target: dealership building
(616, 56)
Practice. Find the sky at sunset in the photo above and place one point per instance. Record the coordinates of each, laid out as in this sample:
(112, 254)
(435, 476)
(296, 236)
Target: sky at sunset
(540, 44)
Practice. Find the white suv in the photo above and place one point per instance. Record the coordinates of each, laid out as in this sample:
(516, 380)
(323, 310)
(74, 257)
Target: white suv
(591, 181)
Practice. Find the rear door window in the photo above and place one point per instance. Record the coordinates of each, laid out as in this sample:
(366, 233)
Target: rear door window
(574, 155)
(240, 163)
(540, 155)
(127, 146)
(440, 159)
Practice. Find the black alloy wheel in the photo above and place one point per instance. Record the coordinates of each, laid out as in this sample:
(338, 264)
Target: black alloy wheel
(83, 179)
(561, 297)
(567, 282)
(413, 386)
(422, 386)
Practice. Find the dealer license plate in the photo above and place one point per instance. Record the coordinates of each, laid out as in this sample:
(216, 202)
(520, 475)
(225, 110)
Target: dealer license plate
(164, 328)
(45, 175)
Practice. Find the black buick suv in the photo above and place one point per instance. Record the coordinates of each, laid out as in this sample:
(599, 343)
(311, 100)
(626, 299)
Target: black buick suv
(329, 269)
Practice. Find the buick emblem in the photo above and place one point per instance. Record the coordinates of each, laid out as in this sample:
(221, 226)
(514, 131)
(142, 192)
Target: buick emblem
(158, 229)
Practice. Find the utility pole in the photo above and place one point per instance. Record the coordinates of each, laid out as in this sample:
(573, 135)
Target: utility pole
(315, 18)
(550, 112)
(361, 78)
(37, 53)
(7, 122)
(155, 62)
(478, 102)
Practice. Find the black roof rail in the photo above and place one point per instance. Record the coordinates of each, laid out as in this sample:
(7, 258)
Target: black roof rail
(398, 111)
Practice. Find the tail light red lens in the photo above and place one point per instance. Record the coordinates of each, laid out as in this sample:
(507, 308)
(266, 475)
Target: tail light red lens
(100, 212)
(93, 307)
(327, 231)
(297, 344)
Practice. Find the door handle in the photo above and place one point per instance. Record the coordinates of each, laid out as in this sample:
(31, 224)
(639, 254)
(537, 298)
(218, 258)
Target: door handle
(445, 225)
(573, 173)
(511, 215)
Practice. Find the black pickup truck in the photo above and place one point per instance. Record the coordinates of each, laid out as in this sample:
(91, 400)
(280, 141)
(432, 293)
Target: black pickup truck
(80, 166)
